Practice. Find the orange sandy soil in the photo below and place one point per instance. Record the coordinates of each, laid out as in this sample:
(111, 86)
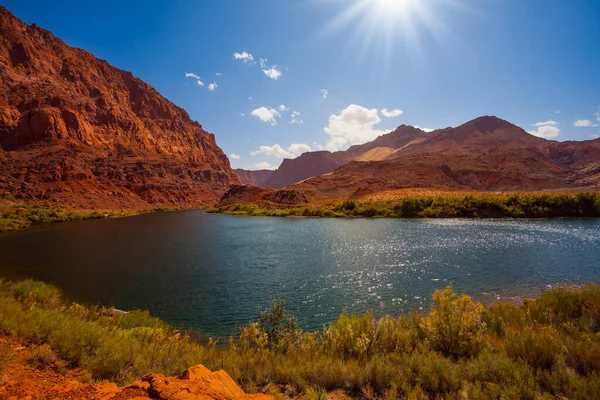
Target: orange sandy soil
(23, 380)
(35, 373)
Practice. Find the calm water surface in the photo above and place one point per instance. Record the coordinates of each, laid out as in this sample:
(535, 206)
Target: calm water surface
(210, 272)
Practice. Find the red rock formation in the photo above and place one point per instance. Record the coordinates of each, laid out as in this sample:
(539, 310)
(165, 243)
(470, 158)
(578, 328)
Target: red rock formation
(76, 131)
(486, 154)
(257, 177)
(323, 162)
(199, 383)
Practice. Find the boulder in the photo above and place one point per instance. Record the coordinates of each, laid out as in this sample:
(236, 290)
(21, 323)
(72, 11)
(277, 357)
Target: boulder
(198, 383)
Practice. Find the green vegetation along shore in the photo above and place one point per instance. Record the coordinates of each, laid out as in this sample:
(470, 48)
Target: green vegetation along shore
(547, 347)
(480, 205)
(15, 217)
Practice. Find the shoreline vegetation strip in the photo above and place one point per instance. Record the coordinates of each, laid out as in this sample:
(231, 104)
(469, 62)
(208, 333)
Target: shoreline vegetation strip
(477, 205)
(548, 347)
(22, 216)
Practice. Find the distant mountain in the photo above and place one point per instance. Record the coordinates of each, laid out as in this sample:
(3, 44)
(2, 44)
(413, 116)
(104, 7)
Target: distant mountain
(323, 162)
(256, 177)
(485, 154)
(75, 130)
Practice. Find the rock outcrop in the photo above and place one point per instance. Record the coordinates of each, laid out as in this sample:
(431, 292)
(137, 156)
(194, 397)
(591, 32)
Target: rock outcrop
(198, 383)
(75, 130)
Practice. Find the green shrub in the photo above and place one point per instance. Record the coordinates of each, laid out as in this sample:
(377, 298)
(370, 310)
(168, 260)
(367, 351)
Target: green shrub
(538, 345)
(454, 325)
(36, 292)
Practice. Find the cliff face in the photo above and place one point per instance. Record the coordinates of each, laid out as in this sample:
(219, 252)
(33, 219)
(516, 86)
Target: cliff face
(256, 178)
(77, 131)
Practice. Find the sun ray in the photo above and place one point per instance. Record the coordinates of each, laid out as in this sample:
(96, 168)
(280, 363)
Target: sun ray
(386, 26)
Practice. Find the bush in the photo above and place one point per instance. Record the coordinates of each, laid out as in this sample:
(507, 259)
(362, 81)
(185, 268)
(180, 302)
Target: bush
(35, 292)
(280, 327)
(454, 325)
(538, 345)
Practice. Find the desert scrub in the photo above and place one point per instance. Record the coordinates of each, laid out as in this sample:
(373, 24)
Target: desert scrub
(547, 348)
(116, 347)
(448, 205)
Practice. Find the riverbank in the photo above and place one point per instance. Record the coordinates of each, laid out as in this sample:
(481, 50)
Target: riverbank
(446, 205)
(21, 216)
(547, 347)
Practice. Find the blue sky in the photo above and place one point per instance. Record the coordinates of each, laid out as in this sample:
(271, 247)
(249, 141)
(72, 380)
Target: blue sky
(429, 63)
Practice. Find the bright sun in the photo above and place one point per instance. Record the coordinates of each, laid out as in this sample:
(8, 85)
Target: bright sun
(393, 5)
(382, 25)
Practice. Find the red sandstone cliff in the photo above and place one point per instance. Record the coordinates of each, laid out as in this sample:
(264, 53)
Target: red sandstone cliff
(75, 130)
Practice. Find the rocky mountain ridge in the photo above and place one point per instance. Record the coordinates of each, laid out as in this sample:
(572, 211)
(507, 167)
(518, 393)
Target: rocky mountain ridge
(75, 130)
(485, 154)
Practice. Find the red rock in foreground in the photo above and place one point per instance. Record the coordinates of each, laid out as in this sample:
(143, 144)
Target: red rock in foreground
(200, 383)
(75, 130)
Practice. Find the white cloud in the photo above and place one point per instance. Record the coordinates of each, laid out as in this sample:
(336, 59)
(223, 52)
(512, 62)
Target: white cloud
(218, 74)
(583, 123)
(547, 129)
(263, 63)
(597, 116)
(212, 86)
(282, 108)
(354, 125)
(557, 112)
(324, 93)
(264, 165)
(299, 148)
(276, 150)
(196, 77)
(246, 57)
(273, 73)
(391, 113)
(250, 98)
(425, 129)
(241, 114)
(296, 118)
(595, 136)
(546, 123)
(235, 156)
(267, 114)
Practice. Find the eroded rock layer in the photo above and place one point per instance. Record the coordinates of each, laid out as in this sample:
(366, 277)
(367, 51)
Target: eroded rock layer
(75, 130)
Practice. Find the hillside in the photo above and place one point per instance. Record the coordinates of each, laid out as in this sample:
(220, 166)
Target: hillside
(76, 131)
(323, 162)
(485, 154)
